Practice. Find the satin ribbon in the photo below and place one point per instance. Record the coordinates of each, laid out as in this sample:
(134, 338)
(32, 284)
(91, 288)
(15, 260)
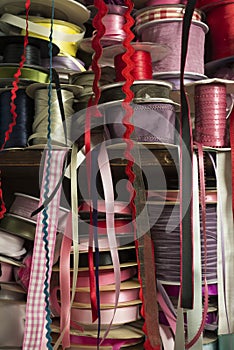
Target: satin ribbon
(28, 74)
(83, 316)
(123, 315)
(71, 230)
(106, 296)
(225, 242)
(11, 245)
(66, 35)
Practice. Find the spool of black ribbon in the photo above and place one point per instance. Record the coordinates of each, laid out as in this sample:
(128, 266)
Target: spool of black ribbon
(25, 112)
(12, 48)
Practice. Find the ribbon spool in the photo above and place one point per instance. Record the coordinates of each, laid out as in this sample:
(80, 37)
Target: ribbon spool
(142, 66)
(11, 245)
(174, 78)
(113, 21)
(25, 112)
(169, 32)
(209, 101)
(70, 10)
(157, 52)
(39, 128)
(166, 237)
(163, 12)
(151, 98)
(12, 47)
(219, 43)
(24, 205)
(67, 36)
(142, 89)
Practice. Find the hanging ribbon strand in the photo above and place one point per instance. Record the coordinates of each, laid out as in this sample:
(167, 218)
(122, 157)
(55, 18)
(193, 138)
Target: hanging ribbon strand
(186, 151)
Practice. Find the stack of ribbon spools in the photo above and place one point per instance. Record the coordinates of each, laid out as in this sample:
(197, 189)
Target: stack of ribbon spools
(118, 296)
(151, 97)
(161, 22)
(17, 231)
(35, 60)
(164, 218)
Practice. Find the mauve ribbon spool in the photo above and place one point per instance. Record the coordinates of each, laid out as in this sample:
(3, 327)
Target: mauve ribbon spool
(169, 32)
(25, 113)
(210, 115)
(153, 121)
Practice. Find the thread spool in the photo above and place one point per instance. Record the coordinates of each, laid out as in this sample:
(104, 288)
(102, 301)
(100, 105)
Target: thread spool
(25, 112)
(142, 66)
(169, 32)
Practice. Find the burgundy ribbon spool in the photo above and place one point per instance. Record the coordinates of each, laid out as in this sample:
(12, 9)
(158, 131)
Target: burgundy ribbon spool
(169, 32)
(210, 115)
(219, 44)
(142, 66)
(153, 121)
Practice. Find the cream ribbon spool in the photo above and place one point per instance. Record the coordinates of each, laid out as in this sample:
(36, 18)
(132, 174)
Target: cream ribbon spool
(66, 36)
